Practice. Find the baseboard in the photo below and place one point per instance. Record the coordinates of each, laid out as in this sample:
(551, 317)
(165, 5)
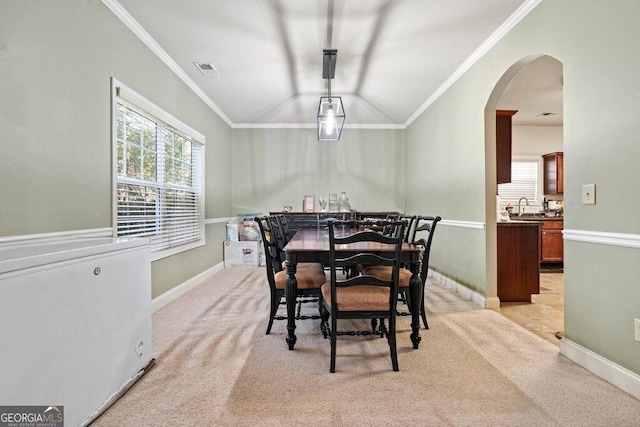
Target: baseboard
(172, 294)
(464, 292)
(604, 368)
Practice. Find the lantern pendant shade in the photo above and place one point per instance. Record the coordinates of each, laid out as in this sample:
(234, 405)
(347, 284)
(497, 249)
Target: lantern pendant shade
(330, 118)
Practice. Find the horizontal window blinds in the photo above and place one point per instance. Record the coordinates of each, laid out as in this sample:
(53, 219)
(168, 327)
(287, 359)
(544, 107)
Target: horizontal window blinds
(159, 179)
(524, 182)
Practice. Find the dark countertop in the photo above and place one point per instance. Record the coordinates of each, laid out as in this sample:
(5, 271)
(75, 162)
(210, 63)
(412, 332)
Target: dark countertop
(536, 218)
(517, 223)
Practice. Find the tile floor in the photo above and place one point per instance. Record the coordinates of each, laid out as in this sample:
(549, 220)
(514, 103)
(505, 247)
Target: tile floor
(544, 316)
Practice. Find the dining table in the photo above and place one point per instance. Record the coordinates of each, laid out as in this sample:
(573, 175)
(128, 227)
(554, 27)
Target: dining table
(312, 245)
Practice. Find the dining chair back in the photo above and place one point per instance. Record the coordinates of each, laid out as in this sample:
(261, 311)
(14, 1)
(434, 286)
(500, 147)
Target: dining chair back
(429, 226)
(362, 296)
(287, 231)
(309, 279)
(279, 238)
(420, 224)
(412, 221)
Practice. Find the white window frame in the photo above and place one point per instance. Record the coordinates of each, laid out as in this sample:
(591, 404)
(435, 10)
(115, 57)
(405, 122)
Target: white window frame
(131, 99)
(538, 192)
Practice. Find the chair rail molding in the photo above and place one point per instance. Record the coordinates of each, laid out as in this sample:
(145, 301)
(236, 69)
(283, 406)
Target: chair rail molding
(463, 224)
(44, 237)
(219, 220)
(604, 238)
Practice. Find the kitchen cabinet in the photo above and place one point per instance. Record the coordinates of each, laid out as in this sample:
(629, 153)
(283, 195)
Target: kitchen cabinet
(552, 243)
(553, 173)
(503, 145)
(518, 260)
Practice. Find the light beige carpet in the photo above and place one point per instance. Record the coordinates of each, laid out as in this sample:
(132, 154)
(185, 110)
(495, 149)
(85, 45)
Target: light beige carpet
(215, 366)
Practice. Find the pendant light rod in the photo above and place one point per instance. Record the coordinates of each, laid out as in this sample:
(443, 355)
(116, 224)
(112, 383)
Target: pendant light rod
(329, 63)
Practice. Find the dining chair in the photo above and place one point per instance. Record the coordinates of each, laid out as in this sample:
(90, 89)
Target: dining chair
(281, 239)
(420, 224)
(287, 230)
(362, 296)
(309, 279)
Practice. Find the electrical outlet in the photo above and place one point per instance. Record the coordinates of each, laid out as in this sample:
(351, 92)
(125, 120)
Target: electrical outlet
(589, 194)
(637, 322)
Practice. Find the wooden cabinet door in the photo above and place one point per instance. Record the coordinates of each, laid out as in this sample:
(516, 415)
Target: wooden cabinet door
(560, 173)
(552, 242)
(518, 262)
(503, 145)
(553, 173)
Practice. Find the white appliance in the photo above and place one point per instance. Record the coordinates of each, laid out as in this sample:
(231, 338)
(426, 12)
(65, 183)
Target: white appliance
(75, 323)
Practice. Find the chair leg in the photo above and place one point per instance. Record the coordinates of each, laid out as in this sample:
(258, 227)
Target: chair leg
(423, 312)
(320, 304)
(274, 308)
(324, 321)
(334, 332)
(391, 338)
(403, 297)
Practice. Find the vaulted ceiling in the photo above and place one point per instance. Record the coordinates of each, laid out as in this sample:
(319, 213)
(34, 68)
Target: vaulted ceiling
(394, 56)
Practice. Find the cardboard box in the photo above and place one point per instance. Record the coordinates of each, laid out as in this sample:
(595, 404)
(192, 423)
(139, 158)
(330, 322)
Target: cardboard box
(241, 254)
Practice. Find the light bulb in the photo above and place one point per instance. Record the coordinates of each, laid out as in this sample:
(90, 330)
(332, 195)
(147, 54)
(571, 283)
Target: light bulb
(331, 120)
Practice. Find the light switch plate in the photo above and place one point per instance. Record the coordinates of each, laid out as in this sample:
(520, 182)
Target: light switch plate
(637, 328)
(589, 194)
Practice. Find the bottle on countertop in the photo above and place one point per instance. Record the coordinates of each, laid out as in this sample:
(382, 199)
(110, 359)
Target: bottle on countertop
(343, 203)
(333, 202)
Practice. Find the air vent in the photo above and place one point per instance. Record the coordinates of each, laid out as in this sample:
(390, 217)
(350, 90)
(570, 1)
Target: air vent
(547, 113)
(207, 68)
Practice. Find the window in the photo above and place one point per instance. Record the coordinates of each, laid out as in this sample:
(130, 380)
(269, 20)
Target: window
(158, 176)
(524, 182)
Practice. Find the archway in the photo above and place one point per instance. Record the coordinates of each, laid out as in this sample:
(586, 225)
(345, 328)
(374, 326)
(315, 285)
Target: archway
(533, 86)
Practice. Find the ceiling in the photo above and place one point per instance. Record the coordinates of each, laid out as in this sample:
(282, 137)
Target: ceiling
(536, 92)
(394, 56)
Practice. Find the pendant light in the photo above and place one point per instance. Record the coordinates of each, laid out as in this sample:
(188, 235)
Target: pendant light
(331, 111)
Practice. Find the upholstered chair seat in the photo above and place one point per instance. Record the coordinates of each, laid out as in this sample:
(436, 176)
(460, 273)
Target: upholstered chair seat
(384, 273)
(358, 298)
(309, 278)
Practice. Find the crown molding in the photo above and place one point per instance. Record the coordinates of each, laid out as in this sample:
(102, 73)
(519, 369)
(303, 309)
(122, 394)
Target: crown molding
(137, 29)
(493, 39)
(312, 126)
(146, 38)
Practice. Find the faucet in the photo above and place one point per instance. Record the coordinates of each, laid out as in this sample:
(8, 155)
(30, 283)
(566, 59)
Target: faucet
(526, 201)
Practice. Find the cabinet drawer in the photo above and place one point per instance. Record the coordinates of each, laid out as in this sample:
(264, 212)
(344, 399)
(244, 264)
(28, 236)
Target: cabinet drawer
(552, 225)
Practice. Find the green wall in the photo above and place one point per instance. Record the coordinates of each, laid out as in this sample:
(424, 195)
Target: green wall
(56, 63)
(57, 58)
(273, 168)
(596, 42)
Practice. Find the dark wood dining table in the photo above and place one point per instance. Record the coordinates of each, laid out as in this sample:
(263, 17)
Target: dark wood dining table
(312, 245)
